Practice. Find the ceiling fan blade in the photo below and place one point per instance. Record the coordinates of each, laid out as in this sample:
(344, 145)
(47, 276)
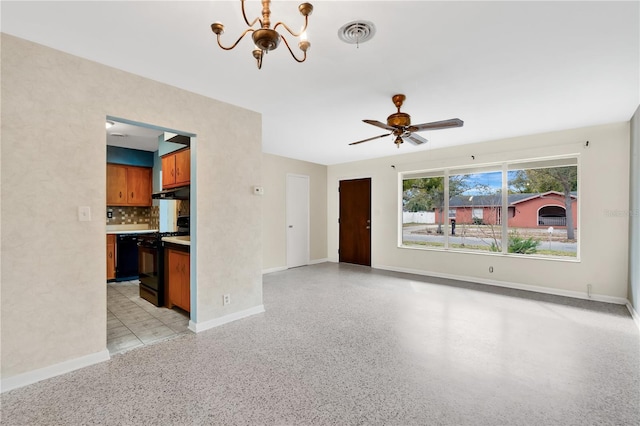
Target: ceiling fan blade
(445, 124)
(379, 124)
(415, 139)
(370, 139)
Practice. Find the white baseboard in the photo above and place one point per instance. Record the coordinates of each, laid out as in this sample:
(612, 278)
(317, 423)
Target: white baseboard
(634, 314)
(284, 268)
(516, 286)
(44, 373)
(276, 269)
(198, 327)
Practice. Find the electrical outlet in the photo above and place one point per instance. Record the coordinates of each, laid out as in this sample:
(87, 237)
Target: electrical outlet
(226, 299)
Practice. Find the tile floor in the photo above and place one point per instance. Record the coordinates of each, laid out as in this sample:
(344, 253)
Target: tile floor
(133, 322)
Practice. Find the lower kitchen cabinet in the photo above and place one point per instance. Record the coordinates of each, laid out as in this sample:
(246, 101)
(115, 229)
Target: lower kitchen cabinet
(111, 257)
(177, 270)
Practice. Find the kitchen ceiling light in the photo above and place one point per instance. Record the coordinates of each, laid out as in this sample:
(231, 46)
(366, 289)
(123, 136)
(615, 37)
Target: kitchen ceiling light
(109, 124)
(266, 38)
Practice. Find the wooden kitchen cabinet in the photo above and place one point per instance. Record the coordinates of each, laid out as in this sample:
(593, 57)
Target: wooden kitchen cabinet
(176, 169)
(177, 274)
(111, 257)
(128, 185)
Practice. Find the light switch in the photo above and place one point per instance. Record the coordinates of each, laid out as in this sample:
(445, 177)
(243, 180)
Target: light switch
(84, 214)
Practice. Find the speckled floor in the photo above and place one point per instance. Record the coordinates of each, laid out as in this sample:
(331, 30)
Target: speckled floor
(346, 345)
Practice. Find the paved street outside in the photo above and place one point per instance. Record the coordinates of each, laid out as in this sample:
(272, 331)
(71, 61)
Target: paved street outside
(481, 236)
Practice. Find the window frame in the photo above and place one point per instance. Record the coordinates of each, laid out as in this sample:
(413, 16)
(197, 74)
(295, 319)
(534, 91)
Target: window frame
(503, 220)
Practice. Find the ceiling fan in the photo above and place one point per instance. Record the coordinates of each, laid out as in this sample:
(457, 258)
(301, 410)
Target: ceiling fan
(399, 124)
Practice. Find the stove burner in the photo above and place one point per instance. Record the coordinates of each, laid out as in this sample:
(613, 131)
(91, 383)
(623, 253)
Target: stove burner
(153, 239)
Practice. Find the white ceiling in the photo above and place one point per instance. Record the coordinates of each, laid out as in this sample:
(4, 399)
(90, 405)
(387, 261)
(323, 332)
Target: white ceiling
(126, 135)
(505, 68)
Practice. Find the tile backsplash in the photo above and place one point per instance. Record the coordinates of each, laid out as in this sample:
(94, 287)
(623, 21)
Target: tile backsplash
(154, 219)
(124, 215)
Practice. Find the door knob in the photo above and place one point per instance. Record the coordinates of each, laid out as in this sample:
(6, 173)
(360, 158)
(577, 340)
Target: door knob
(368, 227)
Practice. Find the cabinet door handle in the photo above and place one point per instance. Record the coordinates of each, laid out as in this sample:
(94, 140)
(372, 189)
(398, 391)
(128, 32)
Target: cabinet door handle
(120, 194)
(177, 172)
(110, 255)
(172, 172)
(132, 195)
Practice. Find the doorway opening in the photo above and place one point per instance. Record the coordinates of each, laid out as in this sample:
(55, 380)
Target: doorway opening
(144, 209)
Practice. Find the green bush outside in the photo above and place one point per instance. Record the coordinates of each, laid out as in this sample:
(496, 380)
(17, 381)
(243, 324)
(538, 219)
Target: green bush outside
(520, 245)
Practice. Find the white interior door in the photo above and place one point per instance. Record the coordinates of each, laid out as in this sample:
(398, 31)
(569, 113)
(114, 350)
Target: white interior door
(297, 220)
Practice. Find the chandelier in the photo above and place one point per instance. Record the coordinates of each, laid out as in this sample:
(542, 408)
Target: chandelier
(266, 38)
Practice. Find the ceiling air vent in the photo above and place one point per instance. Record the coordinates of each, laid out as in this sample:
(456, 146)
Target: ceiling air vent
(357, 32)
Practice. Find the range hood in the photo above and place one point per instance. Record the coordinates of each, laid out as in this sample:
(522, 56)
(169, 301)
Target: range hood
(180, 193)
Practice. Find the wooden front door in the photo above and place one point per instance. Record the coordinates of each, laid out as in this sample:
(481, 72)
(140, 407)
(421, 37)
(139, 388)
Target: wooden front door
(355, 221)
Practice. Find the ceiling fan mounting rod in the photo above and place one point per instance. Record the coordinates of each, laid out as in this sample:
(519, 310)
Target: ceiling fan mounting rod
(398, 100)
(399, 119)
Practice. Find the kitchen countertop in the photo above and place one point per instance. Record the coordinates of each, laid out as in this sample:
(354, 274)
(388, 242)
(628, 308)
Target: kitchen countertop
(184, 240)
(142, 231)
(129, 229)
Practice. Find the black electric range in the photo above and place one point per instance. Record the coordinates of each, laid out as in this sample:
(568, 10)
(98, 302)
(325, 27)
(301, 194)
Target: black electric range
(151, 262)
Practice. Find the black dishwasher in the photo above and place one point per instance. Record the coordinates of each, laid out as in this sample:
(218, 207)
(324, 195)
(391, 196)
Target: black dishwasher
(127, 257)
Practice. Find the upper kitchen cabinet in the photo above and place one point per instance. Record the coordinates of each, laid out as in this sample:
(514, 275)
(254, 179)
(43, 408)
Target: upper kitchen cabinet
(176, 169)
(128, 185)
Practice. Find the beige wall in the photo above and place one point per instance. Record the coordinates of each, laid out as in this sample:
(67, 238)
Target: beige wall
(603, 185)
(54, 107)
(274, 231)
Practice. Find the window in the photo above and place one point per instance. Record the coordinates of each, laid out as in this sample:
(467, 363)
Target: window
(544, 198)
(423, 193)
(532, 205)
(477, 194)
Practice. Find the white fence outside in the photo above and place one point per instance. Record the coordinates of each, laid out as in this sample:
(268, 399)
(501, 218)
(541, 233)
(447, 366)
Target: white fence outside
(419, 217)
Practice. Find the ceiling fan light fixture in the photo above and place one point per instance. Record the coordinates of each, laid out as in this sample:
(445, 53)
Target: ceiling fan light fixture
(267, 38)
